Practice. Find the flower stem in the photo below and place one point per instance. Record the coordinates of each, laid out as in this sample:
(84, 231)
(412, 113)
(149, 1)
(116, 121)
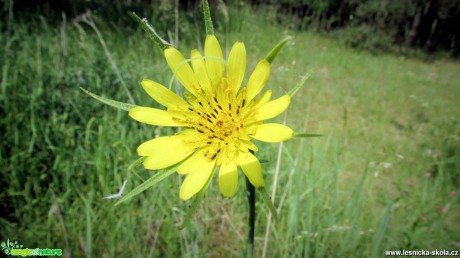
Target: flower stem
(252, 216)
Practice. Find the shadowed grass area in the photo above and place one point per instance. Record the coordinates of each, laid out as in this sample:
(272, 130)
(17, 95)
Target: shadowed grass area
(379, 179)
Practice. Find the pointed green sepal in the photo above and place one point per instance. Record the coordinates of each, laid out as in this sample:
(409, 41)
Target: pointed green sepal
(136, 163)
(271, 56)
(113, 103)
(300, 84)
(151, 32)
(307, 135)
(268, 202)
(207, 18)
(192, 210)
(155, 179)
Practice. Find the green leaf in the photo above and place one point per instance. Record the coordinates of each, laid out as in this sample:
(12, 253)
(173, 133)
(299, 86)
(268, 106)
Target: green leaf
(155, 179)
(268, 202)
(307, 135)
(113, 103)
(300, 84)
(271, 56)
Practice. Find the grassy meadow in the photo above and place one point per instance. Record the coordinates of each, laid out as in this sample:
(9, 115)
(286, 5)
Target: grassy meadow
(385, 175)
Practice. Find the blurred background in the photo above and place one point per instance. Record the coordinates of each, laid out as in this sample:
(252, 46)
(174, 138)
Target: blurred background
(385, 93)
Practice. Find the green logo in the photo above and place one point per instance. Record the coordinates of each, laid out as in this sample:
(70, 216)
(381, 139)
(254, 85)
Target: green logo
(8, 246)
(15, 249)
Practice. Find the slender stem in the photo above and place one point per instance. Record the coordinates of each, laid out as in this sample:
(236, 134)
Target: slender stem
(176, 24)
(252, 216)
(207, 18)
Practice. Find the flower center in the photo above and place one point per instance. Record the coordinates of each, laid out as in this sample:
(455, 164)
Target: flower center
(221, 121)
(217, 122)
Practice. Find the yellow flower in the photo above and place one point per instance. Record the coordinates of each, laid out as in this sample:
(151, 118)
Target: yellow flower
(218, 118)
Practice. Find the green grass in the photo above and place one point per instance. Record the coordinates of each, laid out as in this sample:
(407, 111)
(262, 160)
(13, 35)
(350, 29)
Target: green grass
(385, 120)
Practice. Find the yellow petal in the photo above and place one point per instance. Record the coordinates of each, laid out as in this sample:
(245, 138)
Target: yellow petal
(247, 144)
(258, 79)
(251, 168)
(199, 67)
(163, 152)
(228, 179)
(196, 180)
(162, 95)
(193, 163)
(214, 59)
(181, 69)
(236, 66)
(273, 133)
(161, 144)
(263, 99)
(273, 108)
(152, 116)
(193, 138)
